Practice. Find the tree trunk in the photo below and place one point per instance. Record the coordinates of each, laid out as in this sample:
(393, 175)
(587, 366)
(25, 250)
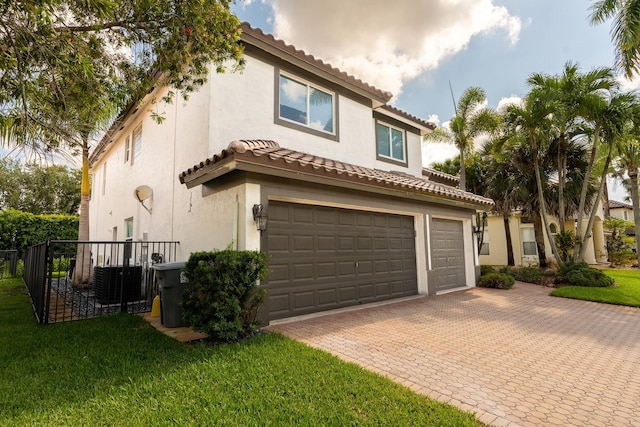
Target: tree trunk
(539, 233)
(507, 233)
(578, 251)
(543, 207)
(581, 245)
(605, 202)
(82, 271)
(635, 200)
(463, 172)
(562, 177)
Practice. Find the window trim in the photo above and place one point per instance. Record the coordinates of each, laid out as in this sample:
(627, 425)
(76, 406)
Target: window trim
(126, 229)
(127, 149)
(485, 243)
(137, 129)
(299, 126)
(383, 158)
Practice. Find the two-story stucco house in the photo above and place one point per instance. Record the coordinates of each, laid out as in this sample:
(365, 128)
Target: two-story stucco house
(336, 171)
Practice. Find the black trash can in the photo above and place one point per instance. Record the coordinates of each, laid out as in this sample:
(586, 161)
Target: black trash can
(171, 283)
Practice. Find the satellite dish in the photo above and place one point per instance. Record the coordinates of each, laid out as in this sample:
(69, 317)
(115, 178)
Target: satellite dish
(142, 193)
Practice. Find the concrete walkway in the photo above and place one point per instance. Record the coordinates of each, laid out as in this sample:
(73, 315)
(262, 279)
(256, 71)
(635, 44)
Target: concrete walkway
(517, 357)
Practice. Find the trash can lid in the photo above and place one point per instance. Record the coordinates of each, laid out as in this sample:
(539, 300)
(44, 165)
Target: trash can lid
(169, 266)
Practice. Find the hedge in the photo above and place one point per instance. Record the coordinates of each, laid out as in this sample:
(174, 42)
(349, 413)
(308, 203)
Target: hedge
(19, 230)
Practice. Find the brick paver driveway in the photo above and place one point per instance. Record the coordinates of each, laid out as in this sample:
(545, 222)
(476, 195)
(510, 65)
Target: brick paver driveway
(517, 357)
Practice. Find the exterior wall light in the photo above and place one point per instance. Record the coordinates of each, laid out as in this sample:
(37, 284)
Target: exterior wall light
(479, 229)
(260, 217)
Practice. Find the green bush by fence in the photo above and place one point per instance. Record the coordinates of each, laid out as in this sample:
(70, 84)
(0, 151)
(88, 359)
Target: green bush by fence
(19, 230)
(223, 298)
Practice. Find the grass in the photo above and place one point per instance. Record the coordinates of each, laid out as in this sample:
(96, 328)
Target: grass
(626, 293)
(117, 370)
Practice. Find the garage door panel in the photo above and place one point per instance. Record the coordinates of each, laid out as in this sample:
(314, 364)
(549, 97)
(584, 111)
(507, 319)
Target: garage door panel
(348, 295)
(365, 267)
(365, 291)
(323, 258)
(303, 300)
(448, 258)
(326, 243)
(326, 269)
(346, 244)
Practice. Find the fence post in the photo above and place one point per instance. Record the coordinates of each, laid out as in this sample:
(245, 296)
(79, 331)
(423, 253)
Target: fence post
(47, 284)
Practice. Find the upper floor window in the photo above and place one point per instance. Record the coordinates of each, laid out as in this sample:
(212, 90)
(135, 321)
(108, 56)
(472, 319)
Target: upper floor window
(137, 143)
(391, 143)
(127, 149)
(307, 105)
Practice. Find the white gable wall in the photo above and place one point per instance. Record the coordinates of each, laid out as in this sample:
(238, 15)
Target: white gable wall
(243, 105)
(229, 107)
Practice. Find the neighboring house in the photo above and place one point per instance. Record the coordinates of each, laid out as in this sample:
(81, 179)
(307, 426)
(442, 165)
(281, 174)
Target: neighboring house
(352, 217)
(525, 251)
(620, 210)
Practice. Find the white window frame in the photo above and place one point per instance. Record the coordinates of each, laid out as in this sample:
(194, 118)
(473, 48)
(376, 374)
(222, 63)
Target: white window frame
(306, 126)
(127, 149)
(128, 231)
(390, 158)
(484, 249)
(528, 257)
(136, 148)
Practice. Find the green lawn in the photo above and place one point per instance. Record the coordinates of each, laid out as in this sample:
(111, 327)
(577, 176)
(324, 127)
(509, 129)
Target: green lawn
(117, 370)
(626, 293)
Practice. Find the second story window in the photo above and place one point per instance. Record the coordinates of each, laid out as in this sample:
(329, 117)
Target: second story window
(391, 143)
(127, 149)
(137, 144)
(306, 105)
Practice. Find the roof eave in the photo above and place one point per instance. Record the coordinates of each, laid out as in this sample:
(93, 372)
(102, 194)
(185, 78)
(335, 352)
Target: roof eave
(231, 163)
(252, 36)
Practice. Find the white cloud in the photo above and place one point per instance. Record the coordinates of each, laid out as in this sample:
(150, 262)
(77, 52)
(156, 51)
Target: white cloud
(629, 84)
(510, 100)
(387, 44)
(437, 152)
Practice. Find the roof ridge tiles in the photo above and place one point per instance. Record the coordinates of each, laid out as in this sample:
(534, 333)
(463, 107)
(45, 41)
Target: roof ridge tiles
(291, 49)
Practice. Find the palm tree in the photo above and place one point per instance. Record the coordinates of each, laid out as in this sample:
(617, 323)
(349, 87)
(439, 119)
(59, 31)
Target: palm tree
(628, 161)
(472, 119)
(502, 189)
(575, 96)
(530, 122)
(625, 31)
(609, 120)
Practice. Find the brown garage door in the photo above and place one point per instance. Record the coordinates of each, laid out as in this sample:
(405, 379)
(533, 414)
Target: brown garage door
(324, 258)
(447, 245)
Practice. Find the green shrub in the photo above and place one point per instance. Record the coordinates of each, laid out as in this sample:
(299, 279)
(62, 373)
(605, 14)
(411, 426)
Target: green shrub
(524, 274)
(224, 298)
(19, 230)
(581, 274)
(496, 280)
(486, 269)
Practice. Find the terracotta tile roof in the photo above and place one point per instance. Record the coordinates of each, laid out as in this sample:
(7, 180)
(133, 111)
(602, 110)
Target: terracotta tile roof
(441, 177)
(252, 35)
(270, 155)
(614, 204)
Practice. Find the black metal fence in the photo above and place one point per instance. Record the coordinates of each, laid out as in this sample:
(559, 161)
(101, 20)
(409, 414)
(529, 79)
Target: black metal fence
(73, 280)
(8, 262)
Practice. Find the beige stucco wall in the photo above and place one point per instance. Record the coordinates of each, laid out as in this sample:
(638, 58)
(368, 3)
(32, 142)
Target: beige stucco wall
(595, 253)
